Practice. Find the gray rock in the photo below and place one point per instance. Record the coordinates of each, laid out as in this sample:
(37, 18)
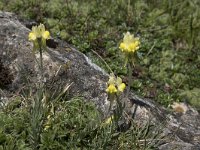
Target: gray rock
(64, 65)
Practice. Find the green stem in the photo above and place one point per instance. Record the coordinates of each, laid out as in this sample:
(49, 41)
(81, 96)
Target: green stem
(41, 60)
(103, 61)
(130, 71)
(41, 63)
(112, 98)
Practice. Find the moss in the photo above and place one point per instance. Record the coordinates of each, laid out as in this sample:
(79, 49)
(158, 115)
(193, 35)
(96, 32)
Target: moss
(192, 96)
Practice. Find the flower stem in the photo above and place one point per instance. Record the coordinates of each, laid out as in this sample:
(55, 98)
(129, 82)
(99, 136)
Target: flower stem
(41, 63)
(41, 60)
(130, 71)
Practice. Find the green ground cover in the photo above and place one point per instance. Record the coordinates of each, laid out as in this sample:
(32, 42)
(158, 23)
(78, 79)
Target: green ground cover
(73, 125)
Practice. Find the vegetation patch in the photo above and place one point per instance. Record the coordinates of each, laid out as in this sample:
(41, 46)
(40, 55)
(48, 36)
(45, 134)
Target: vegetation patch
(68, 125)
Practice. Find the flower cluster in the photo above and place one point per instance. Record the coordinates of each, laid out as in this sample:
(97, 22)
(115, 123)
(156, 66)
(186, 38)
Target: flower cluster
(115, 85)
(130, 44)
(38, 32)
(38, 36)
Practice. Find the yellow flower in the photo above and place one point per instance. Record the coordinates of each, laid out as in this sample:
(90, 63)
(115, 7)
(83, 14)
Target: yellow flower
(36, 31)
(115, 84)
(111, 89)
(109, 120)
(46, 35)
(122, 46)
(32, 36)
(121, 87)
(39, 32)
(43, 33)
(130, 44)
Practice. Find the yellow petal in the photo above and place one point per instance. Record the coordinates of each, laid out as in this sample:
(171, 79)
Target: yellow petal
(36, 31)
(137, 42)
(111, 79)
(130, 44)
(41, 28)
(122, 46)
(32, 36)
(46, 35)
(118, 81)
(128, 38)
(111, 89)
(121, 87)
(109, 120)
